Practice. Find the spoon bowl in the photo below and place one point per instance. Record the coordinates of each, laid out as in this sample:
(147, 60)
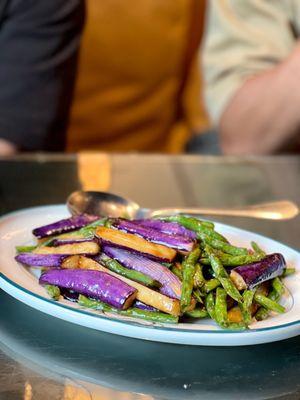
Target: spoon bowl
(101, 203)
(107, 204)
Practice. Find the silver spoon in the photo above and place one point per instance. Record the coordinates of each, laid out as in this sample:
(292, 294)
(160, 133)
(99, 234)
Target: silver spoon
(110, 205)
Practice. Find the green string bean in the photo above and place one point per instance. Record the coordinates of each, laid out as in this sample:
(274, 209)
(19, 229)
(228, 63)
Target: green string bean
(188, 272)
(134, 312)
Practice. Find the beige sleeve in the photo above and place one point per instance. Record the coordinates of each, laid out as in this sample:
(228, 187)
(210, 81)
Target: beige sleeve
(242, 39)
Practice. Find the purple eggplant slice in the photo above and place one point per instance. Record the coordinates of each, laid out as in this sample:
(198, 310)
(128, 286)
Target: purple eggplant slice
(172, 228)
(69, 295)
(85, 247)
(250, 275)
(171, 285)
(61, 242)
(134, 243)
(41, 260)
(64, 225)
(143, 306)
(170, 240)
(91, 283)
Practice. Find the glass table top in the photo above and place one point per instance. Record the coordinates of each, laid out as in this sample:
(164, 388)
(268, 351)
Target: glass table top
(42, 357)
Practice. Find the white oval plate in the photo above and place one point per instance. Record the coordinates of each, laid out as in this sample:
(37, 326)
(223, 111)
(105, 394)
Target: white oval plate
(22, 283)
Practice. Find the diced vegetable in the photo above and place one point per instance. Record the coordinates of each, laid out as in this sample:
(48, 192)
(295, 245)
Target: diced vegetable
(135, 243)
(144, 294)
(170, 284)
(250, 275)
(64, 225)
(235, 314)
(96, 284)
(86, 247)
(177, 242)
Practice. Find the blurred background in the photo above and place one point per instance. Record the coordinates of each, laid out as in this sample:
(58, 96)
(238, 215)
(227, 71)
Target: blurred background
(167, 76)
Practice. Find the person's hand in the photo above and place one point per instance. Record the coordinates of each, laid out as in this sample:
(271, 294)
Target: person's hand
(263, 116)
(7, 148)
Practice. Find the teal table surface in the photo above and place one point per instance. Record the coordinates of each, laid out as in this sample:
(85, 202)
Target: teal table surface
(44, 358)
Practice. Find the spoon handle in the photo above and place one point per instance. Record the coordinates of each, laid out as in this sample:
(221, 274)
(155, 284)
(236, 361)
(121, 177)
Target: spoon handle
(278, 210)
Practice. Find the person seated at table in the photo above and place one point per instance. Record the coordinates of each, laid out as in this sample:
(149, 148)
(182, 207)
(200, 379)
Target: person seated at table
(39, 43)
(251, 64)
(138, 85)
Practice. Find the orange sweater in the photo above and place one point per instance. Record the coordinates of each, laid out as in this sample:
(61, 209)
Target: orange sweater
(138, 86)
